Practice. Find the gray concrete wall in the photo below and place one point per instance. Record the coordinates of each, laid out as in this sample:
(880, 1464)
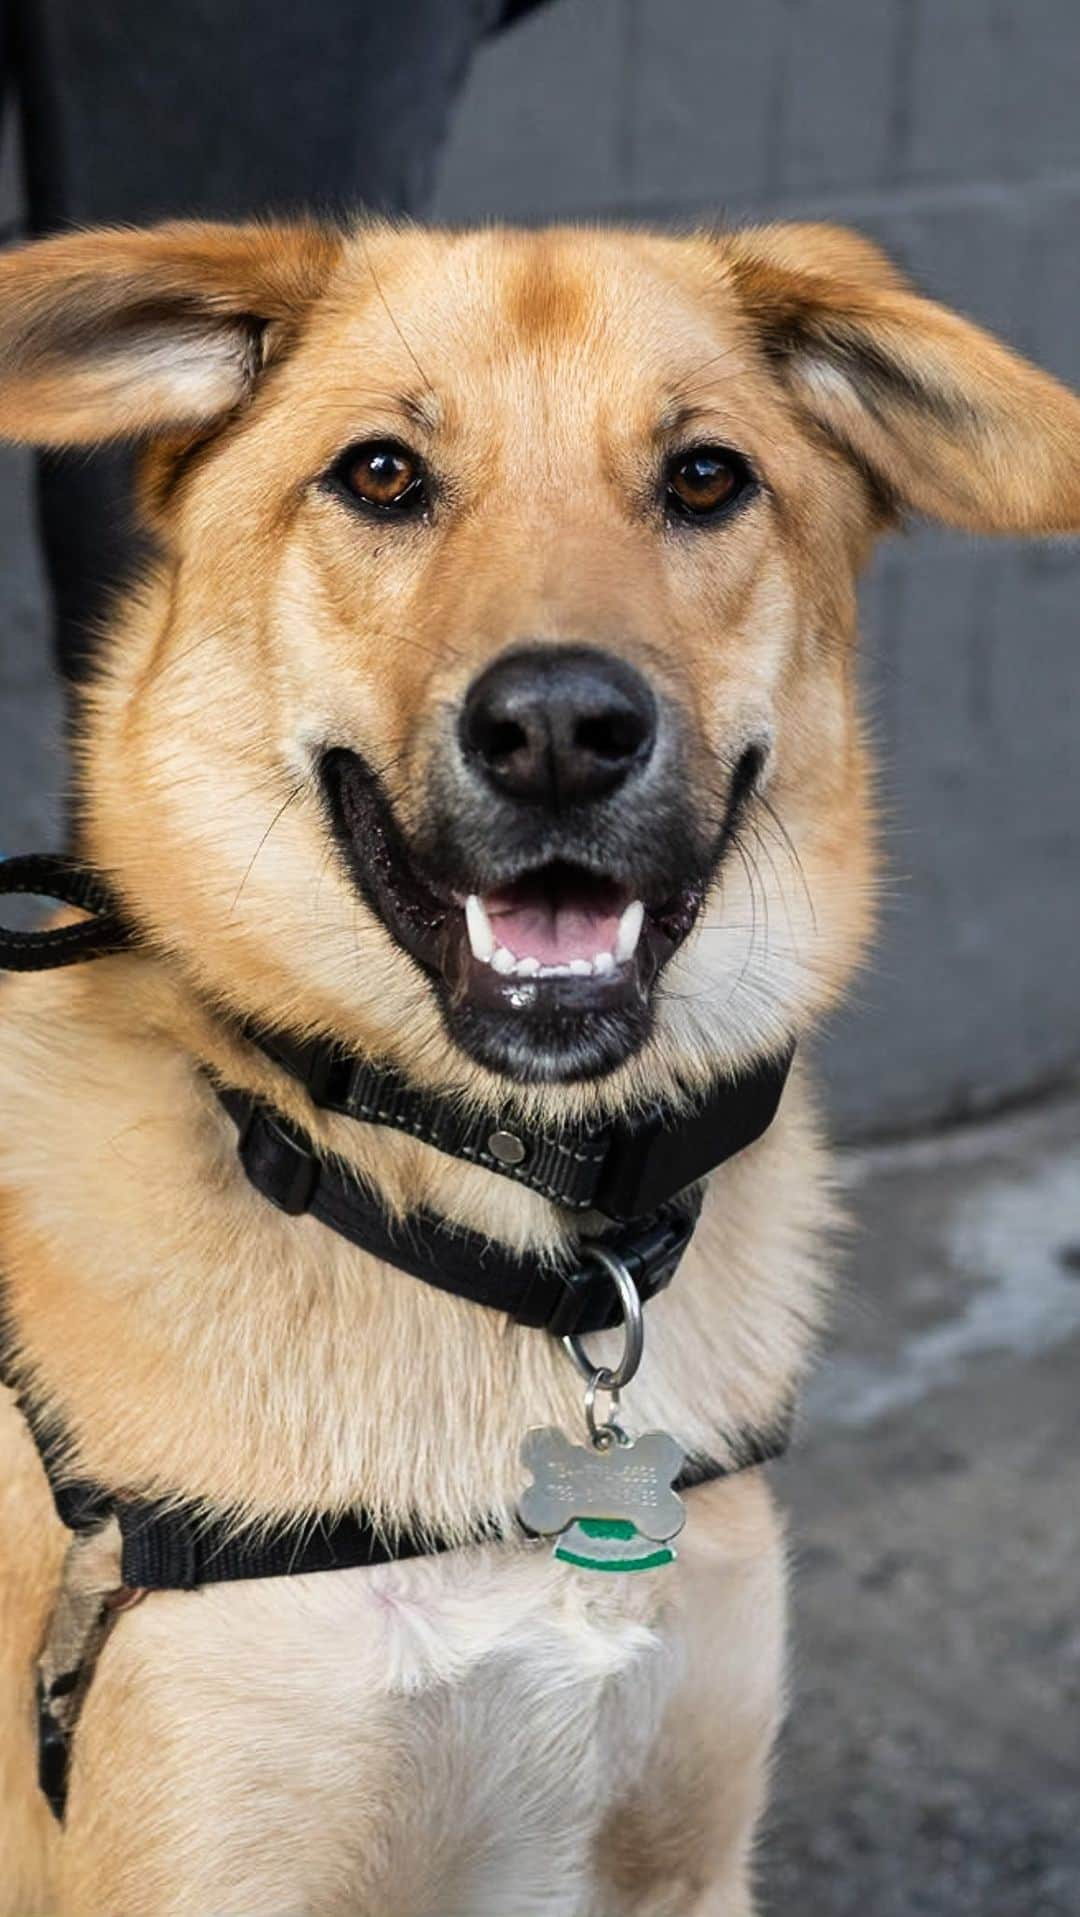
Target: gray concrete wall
(948, 129)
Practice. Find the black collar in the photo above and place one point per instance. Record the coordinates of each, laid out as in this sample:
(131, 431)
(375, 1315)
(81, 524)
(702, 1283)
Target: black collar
(625, 1169)
(562, 1296)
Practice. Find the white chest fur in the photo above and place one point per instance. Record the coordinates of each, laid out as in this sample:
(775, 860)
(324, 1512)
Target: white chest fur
(483, 1713)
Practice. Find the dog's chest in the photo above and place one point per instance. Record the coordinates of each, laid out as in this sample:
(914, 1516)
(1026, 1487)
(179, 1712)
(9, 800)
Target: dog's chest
(481, 1714)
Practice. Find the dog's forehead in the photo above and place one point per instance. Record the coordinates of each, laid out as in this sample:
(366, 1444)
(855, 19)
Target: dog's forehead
(581, 313)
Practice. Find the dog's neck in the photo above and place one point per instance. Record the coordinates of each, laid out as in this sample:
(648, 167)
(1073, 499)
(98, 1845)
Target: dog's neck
(301, 1374)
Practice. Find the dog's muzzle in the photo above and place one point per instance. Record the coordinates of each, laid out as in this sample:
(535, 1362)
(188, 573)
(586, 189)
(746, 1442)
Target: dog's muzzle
(560, 861)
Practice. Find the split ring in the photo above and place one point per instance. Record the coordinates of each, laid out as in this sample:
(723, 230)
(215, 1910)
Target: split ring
(605, 1377)
(603, 1433)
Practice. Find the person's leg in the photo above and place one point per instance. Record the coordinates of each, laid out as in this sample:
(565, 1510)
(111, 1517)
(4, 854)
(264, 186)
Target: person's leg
(136, 111)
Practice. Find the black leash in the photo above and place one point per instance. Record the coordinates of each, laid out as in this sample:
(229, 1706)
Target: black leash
(45, 875)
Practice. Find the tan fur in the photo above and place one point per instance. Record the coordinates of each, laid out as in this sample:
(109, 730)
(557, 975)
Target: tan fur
(485, 1732)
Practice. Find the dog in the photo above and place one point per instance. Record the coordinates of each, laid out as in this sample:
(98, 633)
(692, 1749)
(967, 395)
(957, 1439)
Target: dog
(487, 712)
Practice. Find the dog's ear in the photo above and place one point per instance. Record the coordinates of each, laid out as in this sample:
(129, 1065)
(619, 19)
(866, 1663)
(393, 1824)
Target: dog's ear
(940, 417)
(126, 334)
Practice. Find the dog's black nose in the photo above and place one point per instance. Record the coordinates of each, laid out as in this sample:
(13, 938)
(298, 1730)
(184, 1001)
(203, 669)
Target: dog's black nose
(558, 725)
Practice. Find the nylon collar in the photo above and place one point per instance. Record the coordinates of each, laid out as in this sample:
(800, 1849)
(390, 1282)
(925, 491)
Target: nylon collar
(564, 1296)
(625, 1169)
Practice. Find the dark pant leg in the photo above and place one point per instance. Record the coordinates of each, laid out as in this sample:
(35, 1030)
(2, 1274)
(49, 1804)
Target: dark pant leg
(135, 110)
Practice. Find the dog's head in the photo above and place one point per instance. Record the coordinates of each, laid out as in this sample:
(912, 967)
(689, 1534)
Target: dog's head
(491, 702)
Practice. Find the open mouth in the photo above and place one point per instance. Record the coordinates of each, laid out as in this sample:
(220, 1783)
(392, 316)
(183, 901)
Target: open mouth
(555, 922)
(546, 975)
(576, 938)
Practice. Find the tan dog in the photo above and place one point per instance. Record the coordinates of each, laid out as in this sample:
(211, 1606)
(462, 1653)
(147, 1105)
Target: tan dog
(388, 469)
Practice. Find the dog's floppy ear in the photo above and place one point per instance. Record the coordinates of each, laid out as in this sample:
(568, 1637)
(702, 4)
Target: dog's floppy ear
(120, 334)
(941, 417)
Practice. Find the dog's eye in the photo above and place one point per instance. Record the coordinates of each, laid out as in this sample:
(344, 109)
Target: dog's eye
(383, 475)
(703, 482)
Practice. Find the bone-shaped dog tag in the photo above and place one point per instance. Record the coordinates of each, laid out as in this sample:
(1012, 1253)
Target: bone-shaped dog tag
(614, 1504)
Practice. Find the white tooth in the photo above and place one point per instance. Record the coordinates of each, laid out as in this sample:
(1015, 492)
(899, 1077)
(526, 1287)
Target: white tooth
(503, 960)
(528, 967)
(626, 939)
(581, 968)
(603, 962)
(478, 926)
(550, 971)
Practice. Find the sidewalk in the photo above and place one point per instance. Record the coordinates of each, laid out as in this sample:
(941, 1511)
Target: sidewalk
(932, 1763)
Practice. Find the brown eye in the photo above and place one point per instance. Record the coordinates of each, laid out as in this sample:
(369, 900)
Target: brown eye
(701, 483)
(383, 475)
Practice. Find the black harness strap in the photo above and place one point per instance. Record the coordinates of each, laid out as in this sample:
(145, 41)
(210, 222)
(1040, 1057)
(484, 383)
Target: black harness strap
(178, 1546)
(175, 1547)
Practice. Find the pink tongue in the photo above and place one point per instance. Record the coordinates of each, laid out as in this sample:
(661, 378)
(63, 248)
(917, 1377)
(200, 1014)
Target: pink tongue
(552, 933)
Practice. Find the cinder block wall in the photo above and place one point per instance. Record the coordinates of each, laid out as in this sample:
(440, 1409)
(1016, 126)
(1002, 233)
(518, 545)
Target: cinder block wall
(950, 131)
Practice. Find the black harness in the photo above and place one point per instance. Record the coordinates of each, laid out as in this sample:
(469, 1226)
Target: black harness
(632, 1186)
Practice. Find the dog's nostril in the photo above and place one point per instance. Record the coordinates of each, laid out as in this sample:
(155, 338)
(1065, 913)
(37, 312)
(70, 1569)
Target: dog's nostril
(500, 739)
(558, 725)
(612, 735)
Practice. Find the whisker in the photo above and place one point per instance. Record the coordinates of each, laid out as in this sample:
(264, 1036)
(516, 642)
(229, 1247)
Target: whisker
(793, 853)
(362, 236)
(760, 840)
(279, 814)
(753, 879)
(686, 385)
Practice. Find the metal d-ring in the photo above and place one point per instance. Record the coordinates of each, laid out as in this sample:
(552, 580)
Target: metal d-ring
(607, 1377)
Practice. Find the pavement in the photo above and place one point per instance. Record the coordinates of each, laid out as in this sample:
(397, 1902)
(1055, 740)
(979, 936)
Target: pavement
(931, 1764)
